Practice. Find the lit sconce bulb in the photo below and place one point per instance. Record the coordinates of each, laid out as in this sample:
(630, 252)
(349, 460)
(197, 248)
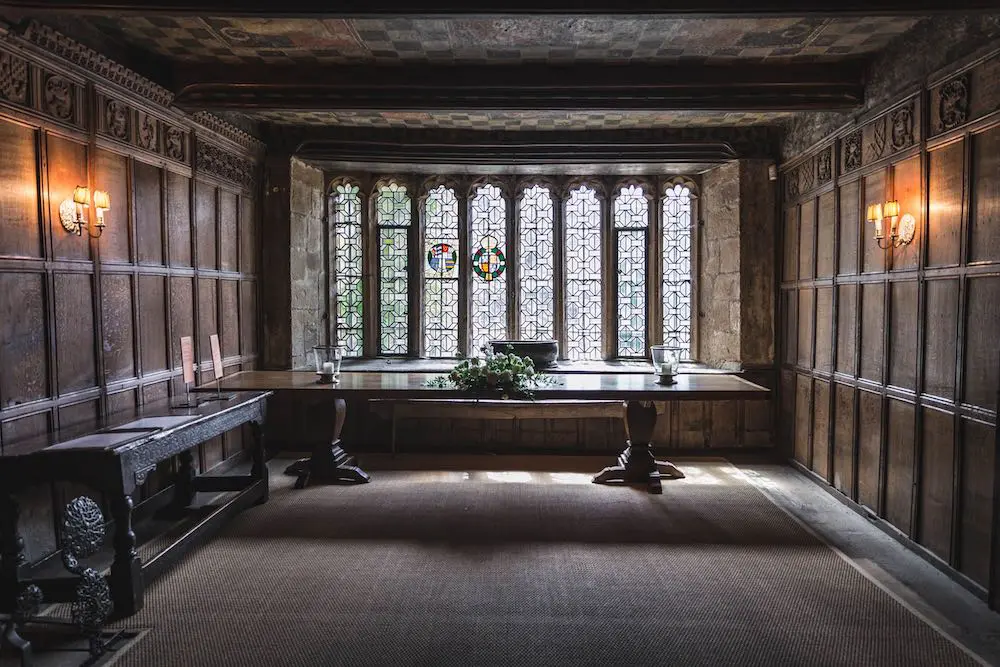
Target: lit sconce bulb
(102, 203)
(875, 216)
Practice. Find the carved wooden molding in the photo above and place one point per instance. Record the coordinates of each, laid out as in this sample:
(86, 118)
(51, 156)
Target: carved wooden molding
(953, 103)
(55, 42)
(813, 172)
(228, 130)
(852, 151)
(901, 121)
(13, 78)
(223, 164)
(58, 96)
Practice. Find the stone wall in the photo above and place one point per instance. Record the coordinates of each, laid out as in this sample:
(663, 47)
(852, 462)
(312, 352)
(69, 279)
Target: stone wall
(905, 63)
(308, 272)
(758, 272)
(719, 268)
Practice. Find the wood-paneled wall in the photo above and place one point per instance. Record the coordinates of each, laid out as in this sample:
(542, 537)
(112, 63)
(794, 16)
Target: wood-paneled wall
(89, 326)
(891, 365)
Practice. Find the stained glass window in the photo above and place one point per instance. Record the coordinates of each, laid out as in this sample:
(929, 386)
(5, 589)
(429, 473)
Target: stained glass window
(677, 270)
(345, 204)
(631, 216)
(392, 215)
(488, 315)
(441, 273)
(583, 274)
(535, 263)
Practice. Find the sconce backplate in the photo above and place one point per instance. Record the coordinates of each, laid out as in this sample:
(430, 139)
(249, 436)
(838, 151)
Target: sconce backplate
(907, 228)
(67, 216)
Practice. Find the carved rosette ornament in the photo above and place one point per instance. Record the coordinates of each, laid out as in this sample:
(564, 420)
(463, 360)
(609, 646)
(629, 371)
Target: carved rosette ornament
(13, 78)
(824, 165)
(173, 144)
(953, 103)
(146, 134)
(58, 97)
(852, 151)
(901, 120)
(116, 119)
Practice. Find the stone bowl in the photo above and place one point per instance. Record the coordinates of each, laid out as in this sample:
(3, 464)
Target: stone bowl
(542, 352)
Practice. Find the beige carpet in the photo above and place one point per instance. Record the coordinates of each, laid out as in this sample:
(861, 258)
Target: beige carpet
(518, 568)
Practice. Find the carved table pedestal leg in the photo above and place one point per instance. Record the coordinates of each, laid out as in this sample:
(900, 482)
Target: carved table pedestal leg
(329, 463)
(636, 465)
(11, 559)
(259, 470)
(126, 569)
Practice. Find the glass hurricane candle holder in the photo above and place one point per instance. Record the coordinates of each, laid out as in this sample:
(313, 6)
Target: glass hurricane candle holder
(328, 358)
(665, 363)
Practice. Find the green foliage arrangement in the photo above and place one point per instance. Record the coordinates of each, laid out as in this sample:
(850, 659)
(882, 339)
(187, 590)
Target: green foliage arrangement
(505, 374)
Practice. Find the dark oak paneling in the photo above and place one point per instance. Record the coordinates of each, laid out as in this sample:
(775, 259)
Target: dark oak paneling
(944, 221)
(229, 336)
(847, 322)
(178, 196)
(248, 236)
(806, 335)
(19, 192)
(899, 466)
(869, 448)
(181, 314)
(807, 232)
(67, 168)
(228, 248)
(937, 483)
(907, 179)
(205, 225)
(821, 429)
(941, 337)
(74, 326)
(843, 439)
(978, 452)
(824, 328)
(208, 323)
(23, 356)
(790, 267)
(982, 351)
(153, 319)
(112, 176)
(803, 418)
(825, 226)
(903, 323)
(873, 257)
(872, 320)
(984, 245)
(148, 213)
(118, 348)
(850, 226)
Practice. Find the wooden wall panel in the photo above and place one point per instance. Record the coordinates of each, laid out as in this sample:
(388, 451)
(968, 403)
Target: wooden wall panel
(153, 320)
(790, 267)
(228, 248)
(178, 200)
(978, 444)
(872, 319)
(937, 481)
(67, 168)
(907, 179)
(899, 466)
(111, 175)
(847, 322)
(206, 225)
(208, 323)
(984, 241)
(903, 323)
(248, 318)
(807, 233)
(941, 336)
(181, 315)
(821, 429)
(982, 353)
(22, 329)
(118, 345)
(850, 227)
(824, 329)
(843, 439)
(786, 423)
(806, 335)
(148, 213)
(790, 302)
(869, 449)
(74, 325)
(945, 194)
(248, 236)
(873, 257)
(21, 235)
(78, 413)
(825, 225)
(229, 335)
(803, 418)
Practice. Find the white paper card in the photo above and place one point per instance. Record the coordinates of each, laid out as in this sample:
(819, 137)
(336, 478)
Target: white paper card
(99, 441)
(155, 423)
(187, 359)
(216, 356)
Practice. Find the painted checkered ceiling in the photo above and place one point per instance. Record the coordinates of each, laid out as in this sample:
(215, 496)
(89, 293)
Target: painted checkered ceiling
(519, 120)
(502, 40)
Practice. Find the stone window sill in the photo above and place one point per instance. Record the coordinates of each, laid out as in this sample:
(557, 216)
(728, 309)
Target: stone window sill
(389, 365)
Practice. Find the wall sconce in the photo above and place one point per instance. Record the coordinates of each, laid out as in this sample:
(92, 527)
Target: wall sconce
(901, 229)
(71, 211)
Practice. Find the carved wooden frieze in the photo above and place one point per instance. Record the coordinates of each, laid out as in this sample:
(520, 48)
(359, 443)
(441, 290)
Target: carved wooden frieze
(824, 165)
(901, 124)
(879, 140)
(813, 172)
(58, 97)
(807, 175)
(13, 78)
(228, 130)
(147, 133)
(117, 117)
(175, 142)
(953, 103)
(852, 151)
(211, 159)
(791, 184)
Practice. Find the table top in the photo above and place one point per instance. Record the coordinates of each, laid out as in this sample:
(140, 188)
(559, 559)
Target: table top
(129, 426)
(596, 386)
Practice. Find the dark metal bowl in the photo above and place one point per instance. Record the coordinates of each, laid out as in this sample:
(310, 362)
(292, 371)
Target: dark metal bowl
(542, 352)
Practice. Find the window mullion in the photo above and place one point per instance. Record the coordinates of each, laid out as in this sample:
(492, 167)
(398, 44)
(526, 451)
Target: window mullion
(559, 270)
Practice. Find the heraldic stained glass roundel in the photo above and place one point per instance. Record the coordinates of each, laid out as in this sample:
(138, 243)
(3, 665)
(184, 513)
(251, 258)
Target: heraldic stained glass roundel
(489, 261)
(442, 257)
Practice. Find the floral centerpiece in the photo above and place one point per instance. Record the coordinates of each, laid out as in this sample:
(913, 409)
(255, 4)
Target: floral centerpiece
(503, 373)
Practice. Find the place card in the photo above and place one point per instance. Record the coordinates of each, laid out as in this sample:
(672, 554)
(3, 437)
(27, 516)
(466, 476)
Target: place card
(216, 356)
(187, 359)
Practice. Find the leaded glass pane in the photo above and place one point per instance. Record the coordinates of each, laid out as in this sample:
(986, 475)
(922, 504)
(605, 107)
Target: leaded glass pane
(677, 270)
(631, 219)
(488, 315)
(346, 205)
(392, 215)
(536, 264)
(441, 273)
(583, 274)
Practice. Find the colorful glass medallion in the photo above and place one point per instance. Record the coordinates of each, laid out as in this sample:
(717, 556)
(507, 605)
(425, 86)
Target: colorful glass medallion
(442, 257)
(489, 263)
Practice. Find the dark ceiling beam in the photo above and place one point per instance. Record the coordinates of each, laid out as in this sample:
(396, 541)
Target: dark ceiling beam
(738, 87)
(387, 8)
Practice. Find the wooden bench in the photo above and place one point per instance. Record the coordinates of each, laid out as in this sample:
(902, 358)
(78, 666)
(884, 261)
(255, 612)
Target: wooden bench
(515, 410)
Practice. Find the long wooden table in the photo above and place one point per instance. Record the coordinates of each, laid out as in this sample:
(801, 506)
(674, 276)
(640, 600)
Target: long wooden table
(329, 462)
